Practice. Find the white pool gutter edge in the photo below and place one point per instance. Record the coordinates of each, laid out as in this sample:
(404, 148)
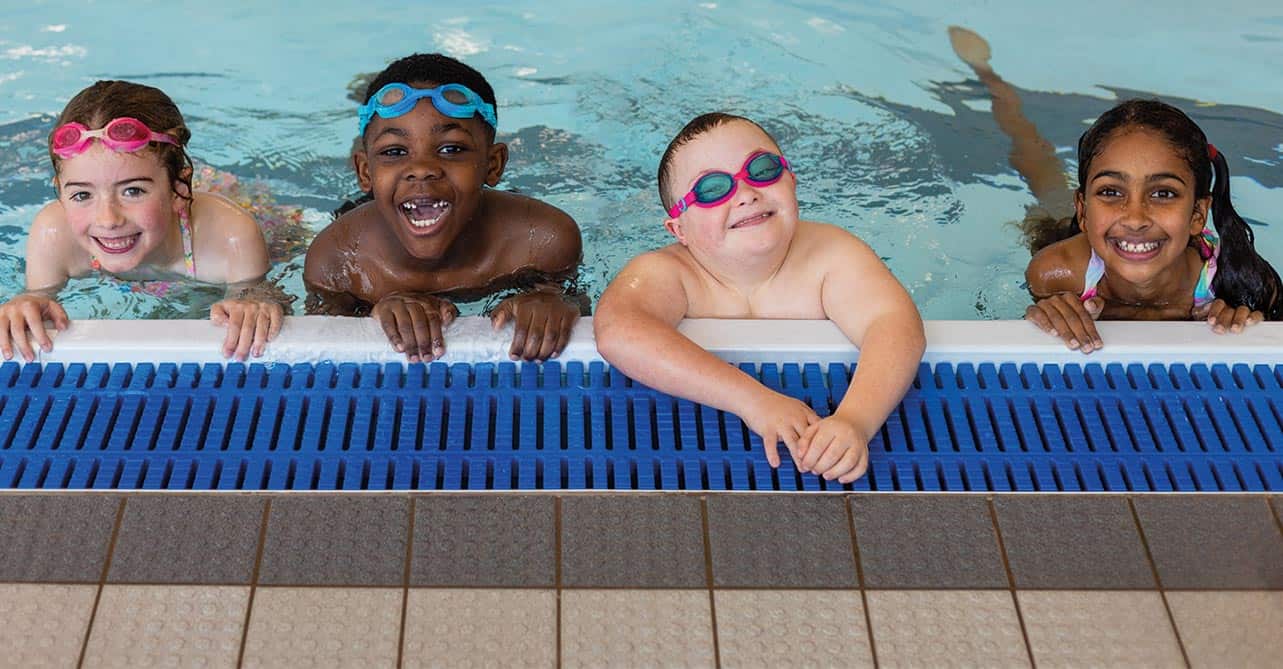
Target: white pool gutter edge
(471, 339)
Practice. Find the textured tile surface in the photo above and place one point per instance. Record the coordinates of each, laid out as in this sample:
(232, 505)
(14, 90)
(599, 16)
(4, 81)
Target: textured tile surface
(927, 541)
(636, 628)
(324, 627)
(336, 540)
(55, 537)
(1231, 629)
(1062, 541)
(632, 541)
(1099, 629)
(1212, 541)
(484, 541)
(188, 539)
(780, 628)
(43, 625)
(167, 626)
(480, 628)
(946, 628)
(780, 541)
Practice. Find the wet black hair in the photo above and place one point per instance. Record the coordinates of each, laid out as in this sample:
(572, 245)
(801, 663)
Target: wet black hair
(696, 127)
(438, 69)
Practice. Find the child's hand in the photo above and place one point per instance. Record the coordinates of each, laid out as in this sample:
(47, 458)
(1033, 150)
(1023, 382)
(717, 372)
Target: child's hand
(1074, 321)
(775, 418)
(542, 324)
(24, 312)
(414, 323)
(835, 449)
(1223, 318)
(250, 325)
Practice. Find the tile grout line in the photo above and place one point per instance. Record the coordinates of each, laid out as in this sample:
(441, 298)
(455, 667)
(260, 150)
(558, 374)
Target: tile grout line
(1011, 578)
(102, 578)
(1158, 580)
(708, 578)
(556, 567)
(253, 578)
(405, 586)
(859, 577)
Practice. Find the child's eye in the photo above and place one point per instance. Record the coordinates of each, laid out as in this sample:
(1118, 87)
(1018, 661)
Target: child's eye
(1109, 191)
(133, 191)
(1165, 194)
(79, 196)
(393, 152)
(452, 149)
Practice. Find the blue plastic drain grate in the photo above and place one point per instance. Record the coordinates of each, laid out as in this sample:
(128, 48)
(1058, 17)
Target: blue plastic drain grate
(576, 426)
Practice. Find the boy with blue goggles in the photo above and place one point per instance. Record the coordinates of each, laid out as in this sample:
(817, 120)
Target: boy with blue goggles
(453, 100)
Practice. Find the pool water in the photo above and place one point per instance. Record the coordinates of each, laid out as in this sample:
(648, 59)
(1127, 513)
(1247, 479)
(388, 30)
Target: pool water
(890, 133)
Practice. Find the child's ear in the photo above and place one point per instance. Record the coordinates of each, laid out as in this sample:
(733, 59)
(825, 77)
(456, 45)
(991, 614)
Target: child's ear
(1078, 208)
(496, 160)
(361, 163)
(1199, 220)
(183, 192)
(674, 227)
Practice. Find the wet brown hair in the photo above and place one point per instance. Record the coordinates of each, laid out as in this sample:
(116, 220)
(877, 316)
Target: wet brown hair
(95, 106)
(697, 126)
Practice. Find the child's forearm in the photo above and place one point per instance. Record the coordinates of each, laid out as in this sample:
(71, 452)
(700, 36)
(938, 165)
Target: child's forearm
(889, 357)
(261, 291)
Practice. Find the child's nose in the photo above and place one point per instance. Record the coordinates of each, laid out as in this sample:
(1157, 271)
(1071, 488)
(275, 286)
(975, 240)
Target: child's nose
(745, 193)
(425, 167)
(109, 212)
(1136, 215)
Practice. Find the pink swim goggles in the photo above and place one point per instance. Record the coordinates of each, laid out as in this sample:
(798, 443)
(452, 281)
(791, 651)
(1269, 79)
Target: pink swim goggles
(120, 134)
(761, 169)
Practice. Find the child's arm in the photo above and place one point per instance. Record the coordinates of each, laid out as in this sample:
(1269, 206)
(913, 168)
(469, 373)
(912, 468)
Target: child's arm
(49, 251)
(1058, 309)
(230, 249)
(636, 330)
(866, 302)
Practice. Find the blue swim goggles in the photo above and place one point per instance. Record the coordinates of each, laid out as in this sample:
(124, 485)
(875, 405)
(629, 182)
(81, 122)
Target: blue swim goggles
(453, 100)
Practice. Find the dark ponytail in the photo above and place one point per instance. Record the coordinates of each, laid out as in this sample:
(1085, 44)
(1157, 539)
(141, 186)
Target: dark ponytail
(1243, 277)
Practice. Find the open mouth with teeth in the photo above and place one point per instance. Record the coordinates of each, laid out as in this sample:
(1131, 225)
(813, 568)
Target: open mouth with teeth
(117, 245)
(424, 213)
(1136, 250)
(751, 221)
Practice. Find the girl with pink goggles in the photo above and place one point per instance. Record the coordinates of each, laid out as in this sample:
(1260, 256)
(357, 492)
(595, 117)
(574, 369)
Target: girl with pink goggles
(120, 134)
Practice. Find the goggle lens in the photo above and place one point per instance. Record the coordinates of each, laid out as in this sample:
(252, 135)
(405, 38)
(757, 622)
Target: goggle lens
(713, 187)
(454, 96)
(125, 130)
(66, 136)
(765, 167)
(392, 96)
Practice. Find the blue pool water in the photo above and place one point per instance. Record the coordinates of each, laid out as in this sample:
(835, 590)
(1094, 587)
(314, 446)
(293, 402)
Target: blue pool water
(891, 134)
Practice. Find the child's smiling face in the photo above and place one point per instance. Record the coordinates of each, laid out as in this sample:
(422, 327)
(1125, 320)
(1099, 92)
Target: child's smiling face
(756, 219)
(1138, 207)
(426, 171)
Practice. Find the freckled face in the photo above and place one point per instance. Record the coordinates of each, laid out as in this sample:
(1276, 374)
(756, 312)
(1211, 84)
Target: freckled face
(120, 206)
(426, 171)
(1138, 207)
(756, 219)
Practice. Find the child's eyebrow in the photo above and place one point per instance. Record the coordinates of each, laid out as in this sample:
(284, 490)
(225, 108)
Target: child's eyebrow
(1160, 176)
(86, 184)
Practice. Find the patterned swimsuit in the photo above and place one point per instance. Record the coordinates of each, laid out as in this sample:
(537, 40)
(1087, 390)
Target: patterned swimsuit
(1208, 245)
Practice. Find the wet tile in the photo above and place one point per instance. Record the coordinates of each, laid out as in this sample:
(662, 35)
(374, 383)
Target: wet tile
(324, 627)
(55, 537)
(43, 625)
(1212, 541)
(927, 541)
(1231, 629)
(1099, 629)
(487, 541)
(480, 628)
(780, 628)
(167, 625)
(637, 628)
(1070, 541)
(187, 539)
(336, 540)
(640, 541)
(780, 541)
(938, 628)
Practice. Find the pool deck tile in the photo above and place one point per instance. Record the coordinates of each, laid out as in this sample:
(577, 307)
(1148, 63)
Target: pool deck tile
(780, 541)
(324, 627)
(641, 628)
(780, 628)
(475, 627)
(1085, 628)
(187, 539)
(484, 541)
(1065, 542)
(632, 541)
(43, 625)
(938, 628)
(1230, 629)
(59, 538)
(167, 625)
(927, 541)
(1212, 541)
(336, 540)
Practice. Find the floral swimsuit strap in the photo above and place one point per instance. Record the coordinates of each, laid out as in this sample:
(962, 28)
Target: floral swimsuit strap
(1209, 249)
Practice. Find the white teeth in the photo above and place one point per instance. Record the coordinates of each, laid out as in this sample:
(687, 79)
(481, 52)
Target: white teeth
(1137, 247)
(116, 243)
(423, 213)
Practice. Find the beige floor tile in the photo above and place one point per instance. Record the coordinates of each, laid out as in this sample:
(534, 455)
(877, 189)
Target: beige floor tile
(480, 628)
(167, 625)
(324, 627)
(772, 628)
(43, 625)
(946, 628)
(1099, 629)
(1230, 629)
(636, 628)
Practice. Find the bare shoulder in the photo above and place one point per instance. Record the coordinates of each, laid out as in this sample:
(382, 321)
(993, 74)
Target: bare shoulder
(51, 244)
(836, 246)
(548, 236)
(221, 223)
(325, 265)
(654, 282)
(50, 224)
(1059, 267)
